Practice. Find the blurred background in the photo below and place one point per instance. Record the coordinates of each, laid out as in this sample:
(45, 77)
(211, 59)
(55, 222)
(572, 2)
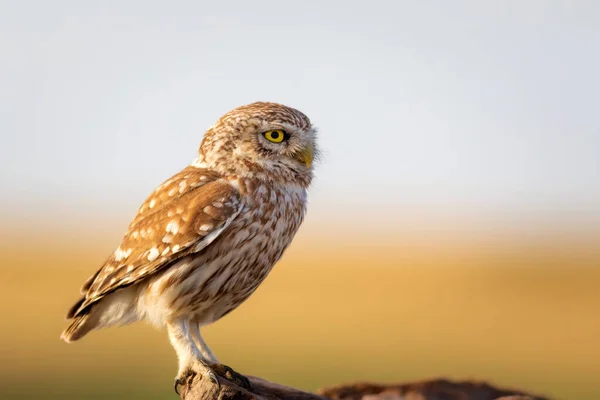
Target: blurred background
(453, 228)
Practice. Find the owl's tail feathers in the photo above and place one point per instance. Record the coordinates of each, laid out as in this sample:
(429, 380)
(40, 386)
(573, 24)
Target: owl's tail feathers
(83, 322)
(73, 310)
(114, 309)
(78, 328)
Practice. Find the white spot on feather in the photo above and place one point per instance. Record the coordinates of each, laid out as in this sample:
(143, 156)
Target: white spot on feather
(235, 183)
(207, 209)
(153, 254)
(182, 186)
(152, 203)
(122, 254)
(206, 227)
(172, 227)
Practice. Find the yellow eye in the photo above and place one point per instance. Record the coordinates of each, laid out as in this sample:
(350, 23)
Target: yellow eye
(276, 136)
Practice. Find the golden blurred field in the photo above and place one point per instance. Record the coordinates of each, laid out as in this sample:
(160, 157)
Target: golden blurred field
(515, 312)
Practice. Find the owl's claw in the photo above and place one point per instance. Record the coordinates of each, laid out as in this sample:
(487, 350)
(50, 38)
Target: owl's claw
(214, 379)
(180, 381)
(232, 376)
(200, 368)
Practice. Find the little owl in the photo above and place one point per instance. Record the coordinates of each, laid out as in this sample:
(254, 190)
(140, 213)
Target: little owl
(207, 237)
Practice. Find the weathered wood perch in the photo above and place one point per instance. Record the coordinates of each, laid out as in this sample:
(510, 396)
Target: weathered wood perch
(260, 389)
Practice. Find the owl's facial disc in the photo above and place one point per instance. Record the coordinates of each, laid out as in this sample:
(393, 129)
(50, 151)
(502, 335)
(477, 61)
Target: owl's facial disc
(266, 141)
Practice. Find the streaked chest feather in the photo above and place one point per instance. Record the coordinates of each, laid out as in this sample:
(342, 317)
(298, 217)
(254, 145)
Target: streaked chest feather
(213, 282)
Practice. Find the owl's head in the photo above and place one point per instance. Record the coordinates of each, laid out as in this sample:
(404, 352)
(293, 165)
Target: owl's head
(267, 141)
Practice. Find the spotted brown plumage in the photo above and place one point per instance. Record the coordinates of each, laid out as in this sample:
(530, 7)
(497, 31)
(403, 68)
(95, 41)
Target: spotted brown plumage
(182, 216)
(206, 238)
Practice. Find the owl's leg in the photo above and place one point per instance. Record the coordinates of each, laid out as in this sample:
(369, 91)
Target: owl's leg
(220, 369)
(190, 358)
(202, 346)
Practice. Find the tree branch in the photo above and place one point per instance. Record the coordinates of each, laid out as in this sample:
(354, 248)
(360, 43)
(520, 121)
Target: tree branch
(437, 389)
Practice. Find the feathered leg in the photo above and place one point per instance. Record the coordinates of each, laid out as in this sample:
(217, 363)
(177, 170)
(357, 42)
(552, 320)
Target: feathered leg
(191, 360)
(220, 369)
(202, 346)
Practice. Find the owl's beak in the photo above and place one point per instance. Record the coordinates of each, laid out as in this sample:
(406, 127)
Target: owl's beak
(305, 155)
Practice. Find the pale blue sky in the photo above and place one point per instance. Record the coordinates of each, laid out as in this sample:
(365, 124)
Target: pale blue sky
(489, 105)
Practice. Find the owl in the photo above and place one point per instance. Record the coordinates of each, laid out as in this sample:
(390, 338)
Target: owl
(207, 237)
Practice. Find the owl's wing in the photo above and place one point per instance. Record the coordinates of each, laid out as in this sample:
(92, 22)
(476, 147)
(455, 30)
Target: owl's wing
(182, 216)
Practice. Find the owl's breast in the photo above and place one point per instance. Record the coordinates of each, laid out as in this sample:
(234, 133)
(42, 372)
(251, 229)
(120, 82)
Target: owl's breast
(215, 281)
(254, 242)
(266, 226)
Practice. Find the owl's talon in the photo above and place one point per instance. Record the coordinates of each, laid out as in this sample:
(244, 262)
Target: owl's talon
(232, 376)
(178, 382)
(198, 368)
(214, 379)
(183, 379)
(207, 372)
